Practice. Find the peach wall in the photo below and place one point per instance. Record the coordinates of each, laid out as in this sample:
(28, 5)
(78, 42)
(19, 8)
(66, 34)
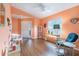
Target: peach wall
(16, 28)
(15, 25)
(4, 31)
(67, 26)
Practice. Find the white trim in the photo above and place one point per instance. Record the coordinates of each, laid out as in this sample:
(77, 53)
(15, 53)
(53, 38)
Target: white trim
(23, 27)
(20, 16)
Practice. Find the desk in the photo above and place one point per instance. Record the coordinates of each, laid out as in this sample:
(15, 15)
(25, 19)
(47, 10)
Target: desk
(76, 51)
(69, 51)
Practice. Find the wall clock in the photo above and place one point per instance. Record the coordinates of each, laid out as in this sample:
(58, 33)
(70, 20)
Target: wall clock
(74, 20)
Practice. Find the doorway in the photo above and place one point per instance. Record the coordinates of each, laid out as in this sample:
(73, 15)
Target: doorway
(26, 29)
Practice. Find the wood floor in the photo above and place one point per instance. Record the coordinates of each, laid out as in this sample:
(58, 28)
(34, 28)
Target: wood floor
(37, 47)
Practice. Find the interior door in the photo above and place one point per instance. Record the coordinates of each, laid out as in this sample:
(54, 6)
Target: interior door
(26, 27)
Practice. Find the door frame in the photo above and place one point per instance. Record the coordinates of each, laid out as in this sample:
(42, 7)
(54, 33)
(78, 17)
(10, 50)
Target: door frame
(22, 29)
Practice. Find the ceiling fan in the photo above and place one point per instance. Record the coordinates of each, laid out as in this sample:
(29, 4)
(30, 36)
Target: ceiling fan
(41, 6)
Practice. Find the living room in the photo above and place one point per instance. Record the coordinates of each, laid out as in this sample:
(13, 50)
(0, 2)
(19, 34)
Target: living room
(33, 29)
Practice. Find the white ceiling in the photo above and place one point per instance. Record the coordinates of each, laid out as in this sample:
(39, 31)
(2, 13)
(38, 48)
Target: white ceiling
(41, 10)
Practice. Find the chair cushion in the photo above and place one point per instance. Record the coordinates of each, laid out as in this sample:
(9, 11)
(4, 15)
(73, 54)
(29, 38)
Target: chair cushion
(72, 37)
(69, 44)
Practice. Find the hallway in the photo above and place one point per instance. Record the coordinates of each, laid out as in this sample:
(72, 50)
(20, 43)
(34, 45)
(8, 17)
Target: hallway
(37, 47)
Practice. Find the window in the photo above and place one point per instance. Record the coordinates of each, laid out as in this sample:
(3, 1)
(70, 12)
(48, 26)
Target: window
(55, 26)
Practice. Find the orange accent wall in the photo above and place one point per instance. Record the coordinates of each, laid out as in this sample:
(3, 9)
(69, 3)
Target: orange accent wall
(1, 19)
(16, 26)
(67, 26)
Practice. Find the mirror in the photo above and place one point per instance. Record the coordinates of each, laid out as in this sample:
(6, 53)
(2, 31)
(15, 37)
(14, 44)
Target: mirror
(2, 15)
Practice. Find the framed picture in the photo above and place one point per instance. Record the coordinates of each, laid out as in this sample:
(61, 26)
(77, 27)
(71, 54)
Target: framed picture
(56, 26)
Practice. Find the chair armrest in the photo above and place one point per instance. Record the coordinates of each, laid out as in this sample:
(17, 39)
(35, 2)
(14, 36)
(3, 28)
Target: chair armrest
(69, 44)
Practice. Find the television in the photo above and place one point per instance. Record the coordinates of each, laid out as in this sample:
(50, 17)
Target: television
(56, 26)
